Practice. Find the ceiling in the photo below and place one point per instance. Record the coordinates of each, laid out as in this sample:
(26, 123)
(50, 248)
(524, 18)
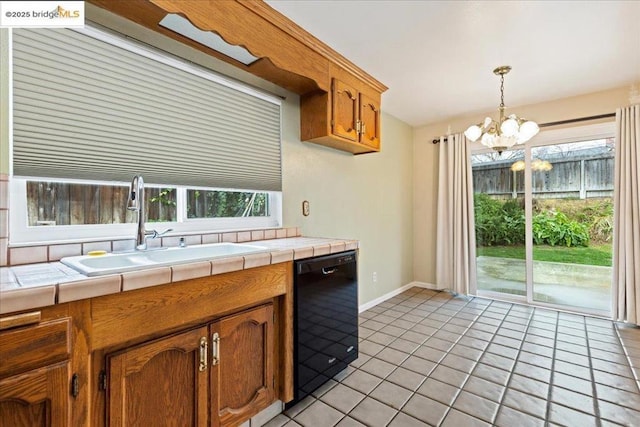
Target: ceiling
(437, 57)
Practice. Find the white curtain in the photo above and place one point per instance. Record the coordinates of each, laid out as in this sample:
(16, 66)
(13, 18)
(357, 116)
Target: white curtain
(626, 237)
(456, 248)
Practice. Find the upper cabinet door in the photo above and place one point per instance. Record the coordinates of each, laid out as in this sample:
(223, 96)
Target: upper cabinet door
(160, 383)
(344, 111)
(370, 122)
(242, 380)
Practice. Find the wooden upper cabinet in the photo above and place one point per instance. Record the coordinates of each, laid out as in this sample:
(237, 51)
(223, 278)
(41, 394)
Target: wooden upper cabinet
(242, 377)
(160, 383)
(36, 398)
(369, 122)
(344, 111)
(347, 118)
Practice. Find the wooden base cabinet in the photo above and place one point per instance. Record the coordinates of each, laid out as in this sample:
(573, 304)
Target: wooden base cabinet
(242, 379)
(219, 374)
(36, 398)
(159, 383)
(36, 385)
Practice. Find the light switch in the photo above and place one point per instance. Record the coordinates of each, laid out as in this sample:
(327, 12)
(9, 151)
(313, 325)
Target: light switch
(305, 208)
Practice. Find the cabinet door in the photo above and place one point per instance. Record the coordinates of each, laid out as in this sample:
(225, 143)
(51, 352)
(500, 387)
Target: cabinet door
(344, 111)
(242, 381)
(36, 398)
(370, 117)
(159, 383)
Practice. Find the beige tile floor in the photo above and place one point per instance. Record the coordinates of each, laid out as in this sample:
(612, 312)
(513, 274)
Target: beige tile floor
(429, 358)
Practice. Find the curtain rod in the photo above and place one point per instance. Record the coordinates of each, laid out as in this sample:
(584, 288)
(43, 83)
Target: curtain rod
(560, 122)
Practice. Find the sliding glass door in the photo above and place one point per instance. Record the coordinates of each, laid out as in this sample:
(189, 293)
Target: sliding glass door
(544, 222)
(500, 222)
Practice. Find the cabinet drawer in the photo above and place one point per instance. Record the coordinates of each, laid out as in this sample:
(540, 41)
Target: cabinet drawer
(31, 347)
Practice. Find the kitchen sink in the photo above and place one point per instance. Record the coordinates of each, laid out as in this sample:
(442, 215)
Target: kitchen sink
(97, 265)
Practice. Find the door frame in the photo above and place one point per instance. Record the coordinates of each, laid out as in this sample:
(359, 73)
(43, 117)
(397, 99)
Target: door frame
(544, 138)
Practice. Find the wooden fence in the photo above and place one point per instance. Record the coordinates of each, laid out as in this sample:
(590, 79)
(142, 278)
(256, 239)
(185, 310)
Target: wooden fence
(576, 177)
(51, 203)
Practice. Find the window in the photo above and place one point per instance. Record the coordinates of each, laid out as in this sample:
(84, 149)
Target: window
(51, 203)
(63, 210)
(92, 109)
(226, 204)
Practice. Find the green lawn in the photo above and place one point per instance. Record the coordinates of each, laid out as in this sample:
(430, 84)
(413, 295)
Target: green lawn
(592, 255)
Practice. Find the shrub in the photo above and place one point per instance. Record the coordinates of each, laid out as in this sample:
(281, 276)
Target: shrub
(497, 222)
(596, 214)
(503, 223)
(554, 228)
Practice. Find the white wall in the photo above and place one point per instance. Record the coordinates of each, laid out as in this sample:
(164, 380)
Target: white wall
(366, 197)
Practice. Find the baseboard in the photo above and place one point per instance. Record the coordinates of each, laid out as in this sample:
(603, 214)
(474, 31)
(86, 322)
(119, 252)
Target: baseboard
(425, 285)
(393, 293)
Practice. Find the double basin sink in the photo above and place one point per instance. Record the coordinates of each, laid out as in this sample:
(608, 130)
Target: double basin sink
(97, 265)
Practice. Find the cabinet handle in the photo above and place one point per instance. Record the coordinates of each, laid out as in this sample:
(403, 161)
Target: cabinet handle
(204, 350)
(215, 340)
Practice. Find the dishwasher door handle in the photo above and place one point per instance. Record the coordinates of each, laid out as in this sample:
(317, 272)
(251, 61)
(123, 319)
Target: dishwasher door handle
(327, 271)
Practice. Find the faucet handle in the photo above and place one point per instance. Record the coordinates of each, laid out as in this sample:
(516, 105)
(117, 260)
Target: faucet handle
(154, 234)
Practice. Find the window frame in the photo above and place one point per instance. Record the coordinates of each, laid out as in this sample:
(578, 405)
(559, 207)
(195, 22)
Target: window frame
(22, 233)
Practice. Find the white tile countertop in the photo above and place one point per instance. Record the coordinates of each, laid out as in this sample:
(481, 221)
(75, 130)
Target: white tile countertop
(30, 286)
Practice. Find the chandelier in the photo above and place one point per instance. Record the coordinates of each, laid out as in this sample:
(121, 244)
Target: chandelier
(507, 131)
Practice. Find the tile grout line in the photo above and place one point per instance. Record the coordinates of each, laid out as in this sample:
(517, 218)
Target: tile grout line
(427, 376)
(486, 351)
(450, 407)
(414, 392)
(517, 358)
(468, 375)
(596, 405)
(553, 365)
(626, 353)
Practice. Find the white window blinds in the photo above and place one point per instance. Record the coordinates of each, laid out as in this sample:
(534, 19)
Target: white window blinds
(87, 109)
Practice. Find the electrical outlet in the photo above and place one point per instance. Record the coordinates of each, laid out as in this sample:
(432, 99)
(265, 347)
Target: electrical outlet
(374, 277)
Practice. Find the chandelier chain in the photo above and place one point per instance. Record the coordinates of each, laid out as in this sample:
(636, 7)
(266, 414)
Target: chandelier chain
(501, 90)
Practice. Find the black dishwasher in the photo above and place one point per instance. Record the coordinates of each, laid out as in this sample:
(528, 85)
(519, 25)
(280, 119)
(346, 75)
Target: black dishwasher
(325, 319)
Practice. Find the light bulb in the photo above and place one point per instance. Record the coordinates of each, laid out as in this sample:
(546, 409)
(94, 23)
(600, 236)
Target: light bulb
(528, 130)
(488, 140)
(509, 127)
(473, 133)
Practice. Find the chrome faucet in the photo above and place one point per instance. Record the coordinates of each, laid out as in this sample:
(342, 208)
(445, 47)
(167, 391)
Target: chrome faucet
(136, 203)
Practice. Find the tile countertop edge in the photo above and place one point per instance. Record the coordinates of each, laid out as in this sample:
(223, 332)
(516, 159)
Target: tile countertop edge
(14, 298)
